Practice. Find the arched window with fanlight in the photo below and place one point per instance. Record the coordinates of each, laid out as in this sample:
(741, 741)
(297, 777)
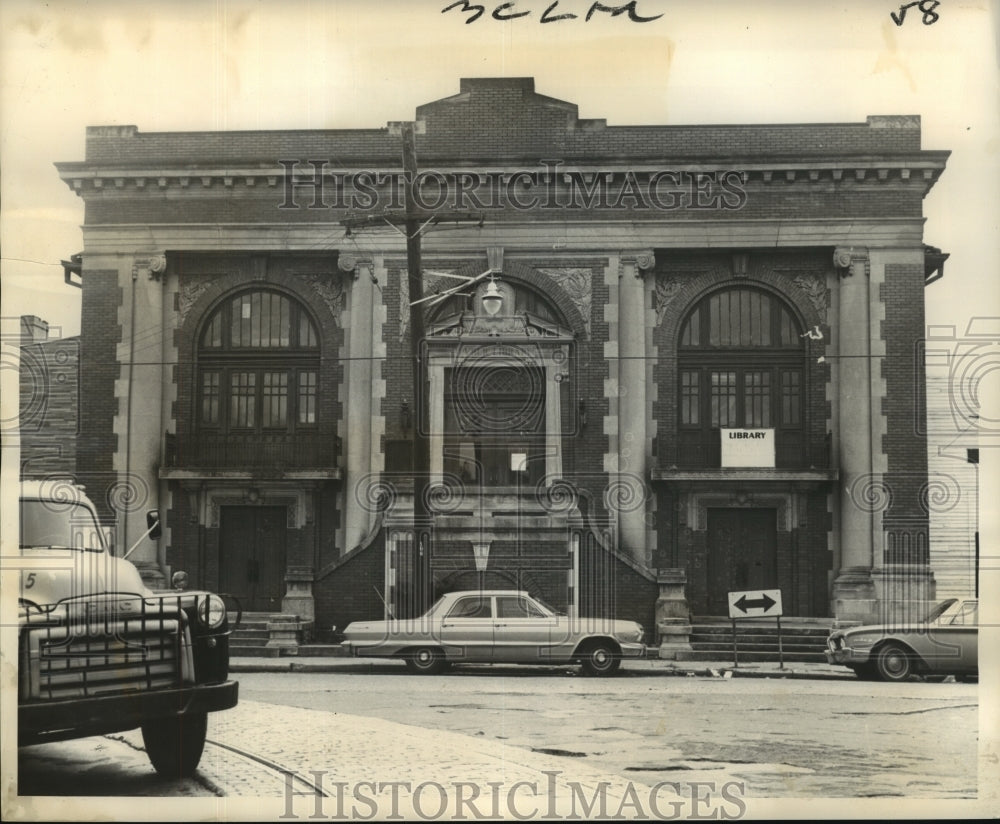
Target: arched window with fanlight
(258, 375)
(741, 360)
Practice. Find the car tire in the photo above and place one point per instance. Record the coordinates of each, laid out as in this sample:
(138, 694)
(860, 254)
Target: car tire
(600, 659)
(174, 745)
(425, 661)
(866, 672)
(894, 662)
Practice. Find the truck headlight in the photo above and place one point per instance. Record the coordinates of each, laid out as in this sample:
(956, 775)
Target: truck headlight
(212, 611)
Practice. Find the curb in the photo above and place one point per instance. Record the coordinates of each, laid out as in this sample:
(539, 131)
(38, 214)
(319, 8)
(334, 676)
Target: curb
(668, 670)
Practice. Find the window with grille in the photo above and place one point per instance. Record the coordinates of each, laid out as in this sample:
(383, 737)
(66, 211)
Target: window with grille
(258, 365)
(741, 361)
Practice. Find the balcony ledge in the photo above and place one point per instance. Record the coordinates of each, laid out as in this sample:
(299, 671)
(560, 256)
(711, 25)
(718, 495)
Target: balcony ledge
(743, 474)
(191, 473)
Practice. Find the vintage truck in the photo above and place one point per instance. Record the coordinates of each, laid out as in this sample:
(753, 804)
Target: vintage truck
(99, 652)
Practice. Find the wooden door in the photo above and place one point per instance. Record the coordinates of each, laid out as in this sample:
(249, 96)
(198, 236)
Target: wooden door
(742, 550)
(252, 555)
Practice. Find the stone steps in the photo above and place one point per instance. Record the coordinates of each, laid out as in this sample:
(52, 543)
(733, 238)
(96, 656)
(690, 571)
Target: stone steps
(265, 635)
(802, 639)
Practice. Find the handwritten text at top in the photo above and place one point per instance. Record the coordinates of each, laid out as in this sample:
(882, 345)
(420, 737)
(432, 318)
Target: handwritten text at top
(929, 16)
(552, 14)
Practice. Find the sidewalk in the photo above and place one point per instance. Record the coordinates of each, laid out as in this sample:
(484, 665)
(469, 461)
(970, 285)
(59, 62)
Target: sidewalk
(648, 667)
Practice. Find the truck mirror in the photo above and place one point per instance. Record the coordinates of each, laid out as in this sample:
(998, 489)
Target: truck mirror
(153, 523)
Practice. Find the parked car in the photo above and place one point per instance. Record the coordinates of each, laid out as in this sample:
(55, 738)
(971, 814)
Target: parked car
(945, 643)
(99, 652)
(497, 626)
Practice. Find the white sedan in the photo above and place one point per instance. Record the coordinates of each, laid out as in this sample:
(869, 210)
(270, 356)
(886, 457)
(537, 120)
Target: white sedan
(945, 642)
(497, 626)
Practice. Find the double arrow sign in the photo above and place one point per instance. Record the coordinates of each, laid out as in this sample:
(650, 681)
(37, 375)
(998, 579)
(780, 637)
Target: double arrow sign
(755, 603)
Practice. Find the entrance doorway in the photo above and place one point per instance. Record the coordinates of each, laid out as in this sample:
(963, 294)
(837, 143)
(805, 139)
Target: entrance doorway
(252, 555)
(494, 421)
(742, 553)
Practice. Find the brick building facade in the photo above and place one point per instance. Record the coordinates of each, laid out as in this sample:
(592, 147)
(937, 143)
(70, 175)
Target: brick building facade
(701, 379)
(49, 403)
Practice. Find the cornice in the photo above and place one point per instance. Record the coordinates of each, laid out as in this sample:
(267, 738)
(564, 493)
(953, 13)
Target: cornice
(917, 170)
(529, 237)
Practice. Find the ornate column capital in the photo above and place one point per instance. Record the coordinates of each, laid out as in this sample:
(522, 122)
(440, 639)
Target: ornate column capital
(153, 263)
(845, 256)
(349, 262)
(640, 259)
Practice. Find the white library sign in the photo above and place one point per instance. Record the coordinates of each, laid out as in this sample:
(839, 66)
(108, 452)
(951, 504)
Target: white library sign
(747, 447)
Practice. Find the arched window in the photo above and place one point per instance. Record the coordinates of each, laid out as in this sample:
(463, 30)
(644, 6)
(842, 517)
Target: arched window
(740, 365)
(258, 366)
(518, 299)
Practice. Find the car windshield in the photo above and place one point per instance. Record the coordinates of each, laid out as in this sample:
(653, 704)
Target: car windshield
(46, 524)
(966, 615)
(551, 609)
(940, 608)
(437, 606)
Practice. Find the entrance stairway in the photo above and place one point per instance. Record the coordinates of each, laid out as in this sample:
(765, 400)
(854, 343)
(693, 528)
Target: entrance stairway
(266, 635)
(802, 639)
(251, 636)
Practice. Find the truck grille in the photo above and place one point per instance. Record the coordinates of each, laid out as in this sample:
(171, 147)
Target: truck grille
(93, 658)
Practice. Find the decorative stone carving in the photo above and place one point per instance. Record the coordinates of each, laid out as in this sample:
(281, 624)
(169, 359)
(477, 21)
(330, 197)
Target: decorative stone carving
(154, 263)
(330, 290)
(577, 283)
(698, 504)
(188, 296)
(404, 296)
(348, 263)
(644, 259)
(404, 301)
(665, 289)
(511, 326)
(844, 256)
(814, 287)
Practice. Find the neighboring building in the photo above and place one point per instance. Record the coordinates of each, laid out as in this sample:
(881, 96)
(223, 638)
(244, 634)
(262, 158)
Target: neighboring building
(956, 362)
(49, 399)
(702, 377)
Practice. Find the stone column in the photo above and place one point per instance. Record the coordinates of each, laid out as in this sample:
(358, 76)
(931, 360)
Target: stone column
(632, 404)
(554, 376)
(139, 424)
(853, 590)
(435, 386)
(358, 518)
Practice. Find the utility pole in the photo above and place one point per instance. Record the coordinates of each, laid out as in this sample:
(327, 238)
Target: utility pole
(414, 220)
(421, 441)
